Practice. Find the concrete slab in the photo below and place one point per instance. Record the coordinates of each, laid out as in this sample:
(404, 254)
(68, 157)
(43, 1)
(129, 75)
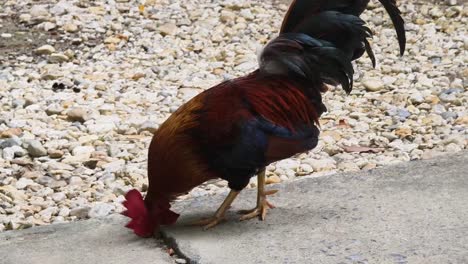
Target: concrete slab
(415, 212)
(103, 241)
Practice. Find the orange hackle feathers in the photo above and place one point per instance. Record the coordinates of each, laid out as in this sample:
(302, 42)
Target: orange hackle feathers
(172, 146)
(174, 168)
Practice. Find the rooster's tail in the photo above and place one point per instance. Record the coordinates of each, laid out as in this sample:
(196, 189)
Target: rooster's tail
(319, 40)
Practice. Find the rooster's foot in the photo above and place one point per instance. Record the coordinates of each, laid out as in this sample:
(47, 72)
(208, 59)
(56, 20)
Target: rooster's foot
(218, 217)
(262, 207)
(208, 223)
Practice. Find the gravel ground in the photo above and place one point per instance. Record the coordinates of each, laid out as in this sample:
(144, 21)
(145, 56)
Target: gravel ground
(83, 84)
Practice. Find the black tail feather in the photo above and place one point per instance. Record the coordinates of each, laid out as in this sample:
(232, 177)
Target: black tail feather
(370, 52)
(346, 32)
(302, 10)
(320, 38)
(398, 23)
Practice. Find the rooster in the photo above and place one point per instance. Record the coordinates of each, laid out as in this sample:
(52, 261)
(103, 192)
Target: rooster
(234, 130)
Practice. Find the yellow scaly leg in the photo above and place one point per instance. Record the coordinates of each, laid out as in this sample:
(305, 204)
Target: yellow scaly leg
(262, 204)
(219, 215)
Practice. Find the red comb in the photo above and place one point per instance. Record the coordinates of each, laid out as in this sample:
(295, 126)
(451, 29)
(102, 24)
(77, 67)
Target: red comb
(143, 222)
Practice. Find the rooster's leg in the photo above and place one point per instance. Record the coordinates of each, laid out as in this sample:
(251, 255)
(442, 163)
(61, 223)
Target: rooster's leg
(219, 215)
(262, 204)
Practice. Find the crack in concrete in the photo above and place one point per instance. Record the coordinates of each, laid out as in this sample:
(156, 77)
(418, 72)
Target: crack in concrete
(170, 242)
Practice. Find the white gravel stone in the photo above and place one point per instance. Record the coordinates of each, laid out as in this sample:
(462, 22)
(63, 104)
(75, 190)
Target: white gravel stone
(23, 183)
(100, 210)
(64, 212)
(83, 151)
(348, 166)
(373, 84)
(45, 49)
(47, 213)
(286, 164)
(70, 27)
(54, 109)
(47, 26)
(321, 164)
(58, 197)
(57, 58)
(306, 168)
(77, 114)
(35, 149)
(39, 12)
(75, 180)
(168, 29)
(80, 212)
(15, 151)
(14, 194)
(61, 8)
